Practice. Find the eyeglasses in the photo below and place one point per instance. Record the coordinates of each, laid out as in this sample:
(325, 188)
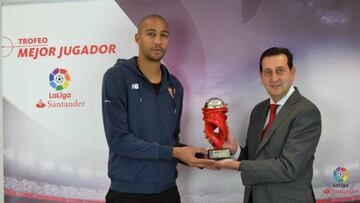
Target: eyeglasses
(279, 71)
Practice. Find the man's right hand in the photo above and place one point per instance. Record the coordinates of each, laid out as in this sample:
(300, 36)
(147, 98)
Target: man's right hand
(231, 143)
(187, 155)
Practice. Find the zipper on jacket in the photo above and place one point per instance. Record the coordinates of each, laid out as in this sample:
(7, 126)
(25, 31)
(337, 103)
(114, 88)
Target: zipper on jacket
(172, 92)
(139, 91)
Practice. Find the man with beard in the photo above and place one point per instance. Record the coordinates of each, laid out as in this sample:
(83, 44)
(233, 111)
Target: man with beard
(142, 105)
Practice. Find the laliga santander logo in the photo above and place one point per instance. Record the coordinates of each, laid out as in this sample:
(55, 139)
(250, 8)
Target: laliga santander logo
(59, 79)
(341, 175)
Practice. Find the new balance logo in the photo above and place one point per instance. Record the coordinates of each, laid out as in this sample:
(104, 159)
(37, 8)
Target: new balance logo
(135, 86)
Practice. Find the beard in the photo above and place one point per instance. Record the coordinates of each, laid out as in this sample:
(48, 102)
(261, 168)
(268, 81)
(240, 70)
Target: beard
(147, 53)
(153, 58)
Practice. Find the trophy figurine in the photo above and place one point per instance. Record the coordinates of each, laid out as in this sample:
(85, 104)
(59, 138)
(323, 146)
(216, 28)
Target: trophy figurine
(216, 130)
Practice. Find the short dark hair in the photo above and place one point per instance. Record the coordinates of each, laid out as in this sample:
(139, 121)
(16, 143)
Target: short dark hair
(274, 51)
(151, 16)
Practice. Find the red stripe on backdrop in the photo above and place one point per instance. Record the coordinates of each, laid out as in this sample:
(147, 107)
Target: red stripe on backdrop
(339, 199)
(48, 198)
(73, 200)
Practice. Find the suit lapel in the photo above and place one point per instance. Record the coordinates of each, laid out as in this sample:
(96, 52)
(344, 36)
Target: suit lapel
(261, 123)
(284, 112)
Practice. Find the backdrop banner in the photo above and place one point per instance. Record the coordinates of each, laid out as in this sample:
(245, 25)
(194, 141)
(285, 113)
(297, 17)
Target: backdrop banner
(55, 55)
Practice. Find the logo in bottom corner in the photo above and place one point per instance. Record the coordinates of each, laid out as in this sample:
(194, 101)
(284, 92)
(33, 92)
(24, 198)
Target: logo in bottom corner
(341, 187)
(341, 175)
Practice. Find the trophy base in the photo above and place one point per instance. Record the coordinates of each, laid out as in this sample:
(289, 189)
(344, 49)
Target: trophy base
(218, 154)
(215, 154)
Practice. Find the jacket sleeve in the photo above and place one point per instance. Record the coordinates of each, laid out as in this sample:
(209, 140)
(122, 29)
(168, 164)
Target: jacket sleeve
(296, 154)
(244, 153)
(114, 109)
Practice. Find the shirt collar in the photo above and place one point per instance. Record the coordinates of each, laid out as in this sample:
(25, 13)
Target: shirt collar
(285, 98)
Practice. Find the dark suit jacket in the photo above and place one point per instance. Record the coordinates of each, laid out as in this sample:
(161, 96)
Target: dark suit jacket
(280, 168)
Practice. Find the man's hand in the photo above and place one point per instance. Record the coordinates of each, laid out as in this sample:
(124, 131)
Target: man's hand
(227, 163)
(187, 155)
(231, 143)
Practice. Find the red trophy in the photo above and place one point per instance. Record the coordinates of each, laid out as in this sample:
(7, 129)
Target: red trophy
(216, 130)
